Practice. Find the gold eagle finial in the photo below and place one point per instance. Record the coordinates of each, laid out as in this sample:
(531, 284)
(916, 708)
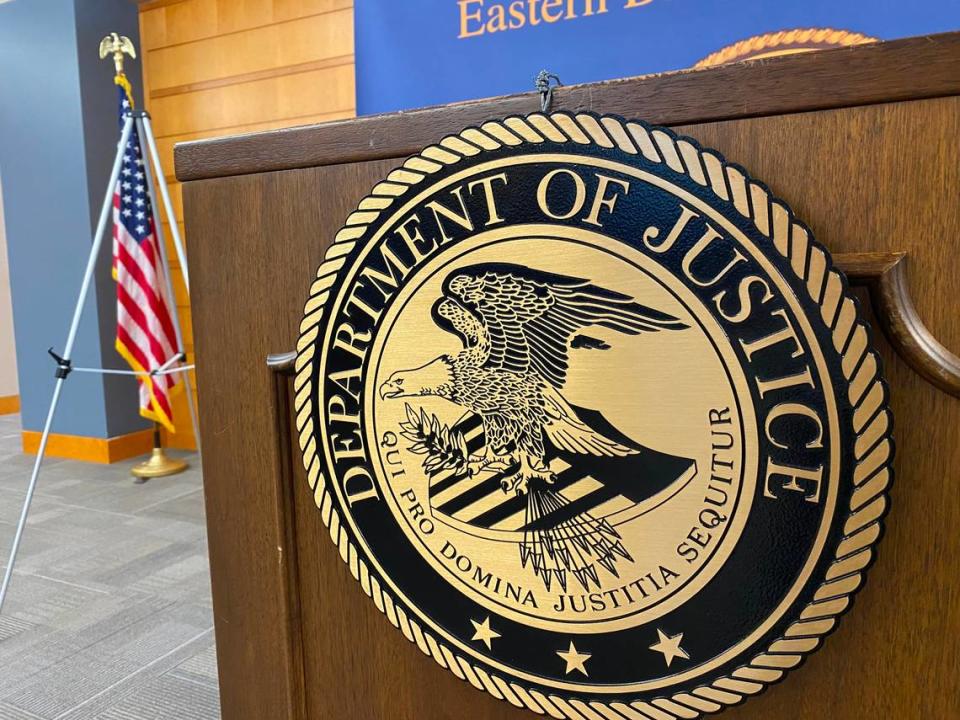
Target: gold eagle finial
(117, 45)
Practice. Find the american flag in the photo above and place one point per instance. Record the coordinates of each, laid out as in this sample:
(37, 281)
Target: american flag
(145, 334)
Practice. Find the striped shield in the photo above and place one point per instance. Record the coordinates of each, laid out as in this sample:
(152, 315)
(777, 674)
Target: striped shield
(612, 490)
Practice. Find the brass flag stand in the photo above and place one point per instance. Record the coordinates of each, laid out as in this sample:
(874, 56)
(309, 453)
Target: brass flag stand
(115, 46)
(159, 464)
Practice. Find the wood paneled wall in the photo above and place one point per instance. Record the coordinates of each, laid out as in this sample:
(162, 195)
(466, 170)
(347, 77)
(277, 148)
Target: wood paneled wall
(224, 67)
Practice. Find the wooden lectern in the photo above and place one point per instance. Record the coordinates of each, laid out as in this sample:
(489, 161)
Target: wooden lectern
(865, 145)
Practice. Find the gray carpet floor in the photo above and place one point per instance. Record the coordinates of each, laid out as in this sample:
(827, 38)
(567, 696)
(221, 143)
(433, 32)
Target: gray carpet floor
(108, 615)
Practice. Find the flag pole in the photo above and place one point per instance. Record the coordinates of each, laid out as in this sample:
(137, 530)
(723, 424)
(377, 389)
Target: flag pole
(159, 464)
(145, 134)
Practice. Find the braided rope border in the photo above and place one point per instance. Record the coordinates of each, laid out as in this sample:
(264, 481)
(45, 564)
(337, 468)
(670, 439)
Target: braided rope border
(872, 421)
(825, 38)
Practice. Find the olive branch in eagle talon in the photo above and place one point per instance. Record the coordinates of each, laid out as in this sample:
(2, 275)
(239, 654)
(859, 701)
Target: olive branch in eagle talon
(445, 449)
(517, 326)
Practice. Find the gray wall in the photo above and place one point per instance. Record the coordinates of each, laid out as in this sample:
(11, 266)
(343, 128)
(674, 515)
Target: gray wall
(58, 135)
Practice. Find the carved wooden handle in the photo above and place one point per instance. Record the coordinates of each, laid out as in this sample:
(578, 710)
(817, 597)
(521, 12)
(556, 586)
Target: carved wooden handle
(884, 275)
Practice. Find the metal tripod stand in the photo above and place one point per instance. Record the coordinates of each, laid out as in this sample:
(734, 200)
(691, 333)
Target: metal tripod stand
(140, 120)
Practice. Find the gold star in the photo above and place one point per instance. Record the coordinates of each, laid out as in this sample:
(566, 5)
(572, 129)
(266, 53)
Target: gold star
(669, 645)
(484, 633)
(574, 660)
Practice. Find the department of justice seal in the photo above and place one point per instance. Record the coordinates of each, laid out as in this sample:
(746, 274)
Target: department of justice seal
(592, 418)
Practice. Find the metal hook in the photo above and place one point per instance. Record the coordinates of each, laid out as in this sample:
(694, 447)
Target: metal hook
(542, 83)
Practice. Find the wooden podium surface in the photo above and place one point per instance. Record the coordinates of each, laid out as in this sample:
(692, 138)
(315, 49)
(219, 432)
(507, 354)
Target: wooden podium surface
(864, 143)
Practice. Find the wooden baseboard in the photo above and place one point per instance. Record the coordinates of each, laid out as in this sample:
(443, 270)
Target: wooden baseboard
(90, 449)
(9, 404)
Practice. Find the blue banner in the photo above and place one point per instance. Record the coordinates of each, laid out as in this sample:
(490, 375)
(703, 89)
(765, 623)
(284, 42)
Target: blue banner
(416, 53)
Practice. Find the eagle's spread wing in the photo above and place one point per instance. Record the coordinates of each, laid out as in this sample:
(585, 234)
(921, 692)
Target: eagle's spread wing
(528, 318)
(451, 315)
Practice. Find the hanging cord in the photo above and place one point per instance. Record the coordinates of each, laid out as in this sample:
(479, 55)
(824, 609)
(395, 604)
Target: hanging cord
(542, 83)
(120, 79)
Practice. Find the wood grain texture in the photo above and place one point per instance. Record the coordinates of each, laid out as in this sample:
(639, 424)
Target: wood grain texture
(165, 144)
(253, 76)
(174, 22)
(286, 96)
(297, 637)
(268, 47)
(216, 66)
(156, 4)
(258, 216)
(883, 72)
